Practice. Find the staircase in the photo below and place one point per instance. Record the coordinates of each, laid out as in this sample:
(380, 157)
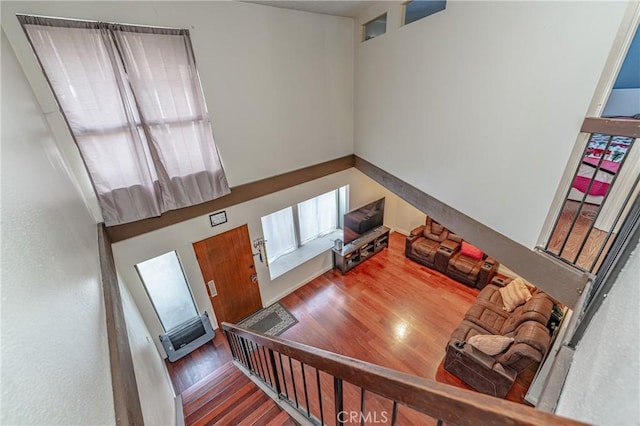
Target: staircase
(227, 396)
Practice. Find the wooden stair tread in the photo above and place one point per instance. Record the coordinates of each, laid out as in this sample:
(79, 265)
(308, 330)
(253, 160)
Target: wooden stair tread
(220, 404)
(228, 396)
(205, 383)
(282, 419)
(228, 384)
(254, 417)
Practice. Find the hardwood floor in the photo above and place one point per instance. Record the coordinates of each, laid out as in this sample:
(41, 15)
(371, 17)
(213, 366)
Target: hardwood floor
(227, 396)
(200, 363)
(389, 311)
(594, 239)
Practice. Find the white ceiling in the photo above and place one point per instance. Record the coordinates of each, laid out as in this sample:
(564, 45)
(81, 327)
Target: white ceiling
(339, 8)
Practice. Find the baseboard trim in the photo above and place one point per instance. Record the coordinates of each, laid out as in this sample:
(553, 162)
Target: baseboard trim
(555, 382)
(179, 411)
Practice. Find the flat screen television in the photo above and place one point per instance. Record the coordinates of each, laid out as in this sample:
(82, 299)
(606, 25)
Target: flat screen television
(363, 220)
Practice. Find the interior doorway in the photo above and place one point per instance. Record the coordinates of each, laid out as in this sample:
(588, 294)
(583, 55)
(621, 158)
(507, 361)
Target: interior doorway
(226, 263)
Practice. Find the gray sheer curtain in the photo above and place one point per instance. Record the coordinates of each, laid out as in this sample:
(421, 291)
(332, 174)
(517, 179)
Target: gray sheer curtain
(133, 101)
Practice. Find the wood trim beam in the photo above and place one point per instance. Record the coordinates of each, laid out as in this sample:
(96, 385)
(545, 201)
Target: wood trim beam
(438, 400)
(612, 126)
(126, 399)
(239, 194)
(552, 276)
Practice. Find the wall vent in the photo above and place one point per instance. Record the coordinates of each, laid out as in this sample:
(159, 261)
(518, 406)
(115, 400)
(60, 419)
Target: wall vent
(187, 337)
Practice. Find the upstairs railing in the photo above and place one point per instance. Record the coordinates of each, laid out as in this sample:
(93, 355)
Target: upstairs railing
(592, 211)
(332, 389)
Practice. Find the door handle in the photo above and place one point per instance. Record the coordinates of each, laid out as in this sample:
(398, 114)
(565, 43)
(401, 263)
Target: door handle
(254, 278)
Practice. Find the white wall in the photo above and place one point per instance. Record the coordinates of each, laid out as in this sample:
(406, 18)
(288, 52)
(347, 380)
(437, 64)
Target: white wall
(480, 105)
(278, 83)
(152, 377)
(603, 383)
(181, 236)
(55, 360)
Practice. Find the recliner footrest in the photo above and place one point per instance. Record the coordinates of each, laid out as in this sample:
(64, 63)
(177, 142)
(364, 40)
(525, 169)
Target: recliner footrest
(470, 366)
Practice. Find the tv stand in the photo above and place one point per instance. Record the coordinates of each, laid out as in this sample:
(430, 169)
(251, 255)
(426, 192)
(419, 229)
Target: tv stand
(361, 249)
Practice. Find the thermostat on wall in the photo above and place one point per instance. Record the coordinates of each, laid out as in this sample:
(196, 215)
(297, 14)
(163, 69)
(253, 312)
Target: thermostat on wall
(218, 218)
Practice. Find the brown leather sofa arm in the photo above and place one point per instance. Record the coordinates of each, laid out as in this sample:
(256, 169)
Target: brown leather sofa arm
(445, 251)
(519, 357)
(488, 270)
(450, 245)
(479, 357)
(414, 235)
(500, 282)
(416, 232)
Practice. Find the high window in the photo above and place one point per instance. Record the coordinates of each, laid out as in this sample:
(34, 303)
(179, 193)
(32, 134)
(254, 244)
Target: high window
(132, 98)
(418, 9)
(374, 28)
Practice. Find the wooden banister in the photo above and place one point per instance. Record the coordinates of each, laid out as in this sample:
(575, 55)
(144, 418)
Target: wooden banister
(612, 126)
(448, 403)
(126, 400)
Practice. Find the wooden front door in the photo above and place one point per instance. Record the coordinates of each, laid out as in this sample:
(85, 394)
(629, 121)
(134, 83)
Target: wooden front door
(227, 260)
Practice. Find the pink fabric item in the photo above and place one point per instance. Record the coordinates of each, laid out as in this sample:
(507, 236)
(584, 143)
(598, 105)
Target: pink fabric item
(607, 165)
(598, 188)
(471, 251)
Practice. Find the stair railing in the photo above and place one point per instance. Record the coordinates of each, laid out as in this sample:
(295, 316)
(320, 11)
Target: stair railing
(329, 388)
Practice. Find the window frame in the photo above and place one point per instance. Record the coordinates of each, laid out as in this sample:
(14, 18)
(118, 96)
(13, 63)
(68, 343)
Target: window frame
(339, 193)
(363, 30)
(403, 15)
(186, 281)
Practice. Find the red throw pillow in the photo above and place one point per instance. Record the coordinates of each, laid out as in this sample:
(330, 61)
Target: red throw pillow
(471, 251)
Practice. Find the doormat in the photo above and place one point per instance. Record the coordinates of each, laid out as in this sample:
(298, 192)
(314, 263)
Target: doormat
(272, 320)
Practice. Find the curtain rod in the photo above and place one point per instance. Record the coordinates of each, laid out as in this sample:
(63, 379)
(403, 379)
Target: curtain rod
(23, 17)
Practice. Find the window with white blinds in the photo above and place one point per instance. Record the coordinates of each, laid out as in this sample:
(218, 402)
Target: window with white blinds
(293, 227)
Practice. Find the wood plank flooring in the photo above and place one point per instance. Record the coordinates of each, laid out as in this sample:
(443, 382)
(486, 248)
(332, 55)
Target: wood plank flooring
(200, 363)
(227, 396)
(572, 249)
(389, 311)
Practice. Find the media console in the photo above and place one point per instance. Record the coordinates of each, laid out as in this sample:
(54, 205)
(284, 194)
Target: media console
(361, 249)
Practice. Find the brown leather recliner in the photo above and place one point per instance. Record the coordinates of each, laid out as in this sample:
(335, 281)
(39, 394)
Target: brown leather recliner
(472, 272)
(494, 375)
(430, 245)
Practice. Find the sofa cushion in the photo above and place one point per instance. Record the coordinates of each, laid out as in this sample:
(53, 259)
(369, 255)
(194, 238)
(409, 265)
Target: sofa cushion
(537, 309)
(464, 264)
(514, 294)
(531, 342)
(424, 246)
(487, 315)
(471, 251)
(491, 294)
(466, 330)
(490, 344)
(434, 231)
